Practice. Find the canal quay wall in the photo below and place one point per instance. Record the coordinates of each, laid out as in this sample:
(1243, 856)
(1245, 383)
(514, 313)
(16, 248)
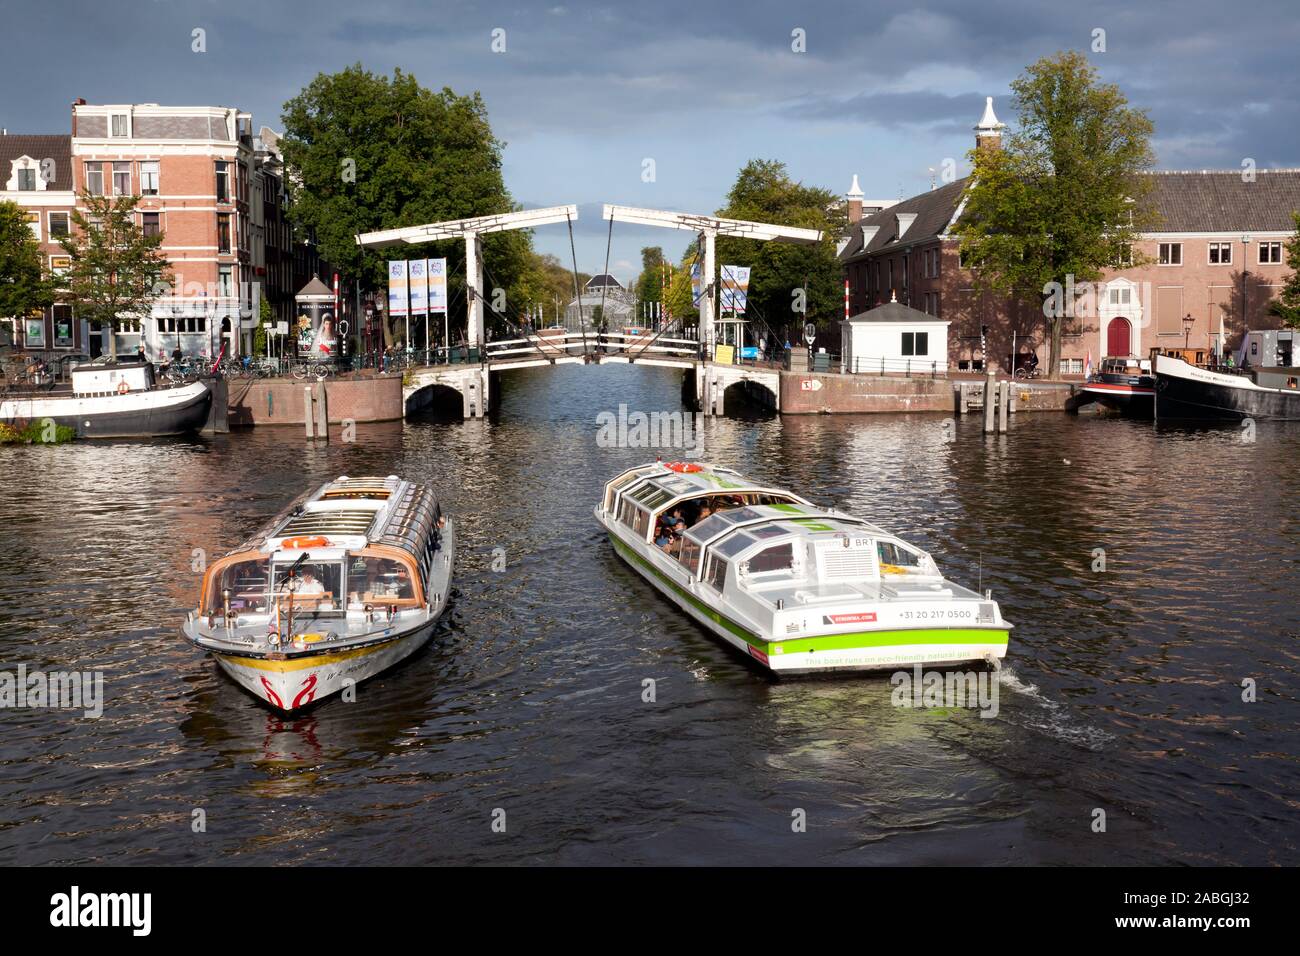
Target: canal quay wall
(283, 402)
(831, 393)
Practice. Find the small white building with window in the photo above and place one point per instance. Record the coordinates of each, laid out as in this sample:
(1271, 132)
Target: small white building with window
(894, 338)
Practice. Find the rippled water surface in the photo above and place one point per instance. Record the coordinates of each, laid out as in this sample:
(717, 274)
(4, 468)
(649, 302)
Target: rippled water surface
(1122, 691)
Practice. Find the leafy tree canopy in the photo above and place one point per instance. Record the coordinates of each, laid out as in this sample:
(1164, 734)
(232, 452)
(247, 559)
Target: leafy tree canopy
(368, 151)
(116, 270)
(1287, 304)
(1064, 196)
(25, 287)
(764, 192)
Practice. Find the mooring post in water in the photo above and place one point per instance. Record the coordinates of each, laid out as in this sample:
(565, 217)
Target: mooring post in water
(1004, 405)
(322, 411)
(990, 399)
(308, 413)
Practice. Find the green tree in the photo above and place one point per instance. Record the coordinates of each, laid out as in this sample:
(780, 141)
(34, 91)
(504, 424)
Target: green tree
(764, 192)
(1064, 198)
(650, 282)
(25, 285)
(116, 270)
(1287, 305)
(370, 152)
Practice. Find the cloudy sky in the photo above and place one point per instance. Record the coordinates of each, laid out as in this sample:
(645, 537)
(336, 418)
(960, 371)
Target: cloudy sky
(585, 93)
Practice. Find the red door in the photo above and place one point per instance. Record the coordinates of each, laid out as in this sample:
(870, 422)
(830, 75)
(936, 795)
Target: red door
(1119, 338)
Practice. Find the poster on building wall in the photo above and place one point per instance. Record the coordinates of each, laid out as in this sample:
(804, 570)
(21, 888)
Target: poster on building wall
(397, 288)
(735, 288)
(417, 273)
(34, 330)
(437, 285)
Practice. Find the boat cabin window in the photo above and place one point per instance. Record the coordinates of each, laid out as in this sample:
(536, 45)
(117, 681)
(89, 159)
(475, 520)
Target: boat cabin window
(716, 574)
(246, 582)
(622, 481)
(895, 559)
(641, 522)
(689, 555)
(316, 584)
(626, 512)
(374, 579)
(779, 557)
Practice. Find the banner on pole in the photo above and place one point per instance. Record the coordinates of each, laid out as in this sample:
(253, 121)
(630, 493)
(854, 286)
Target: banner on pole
(437, 285)
(695, 284)
(397, 288)
(417, 271)
(735, 288)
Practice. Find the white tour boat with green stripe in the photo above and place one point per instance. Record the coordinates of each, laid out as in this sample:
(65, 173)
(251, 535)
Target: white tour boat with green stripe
(799, 589)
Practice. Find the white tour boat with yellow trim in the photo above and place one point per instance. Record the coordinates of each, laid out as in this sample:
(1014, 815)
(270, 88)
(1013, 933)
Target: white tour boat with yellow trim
(344, 583)
(799, 589)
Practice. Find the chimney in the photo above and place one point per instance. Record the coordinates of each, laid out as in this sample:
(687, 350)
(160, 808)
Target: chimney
(988, 134)
(855, 197)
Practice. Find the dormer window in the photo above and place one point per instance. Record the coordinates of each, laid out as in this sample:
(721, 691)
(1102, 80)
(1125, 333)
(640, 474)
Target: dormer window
(27, 180)
(120, 125)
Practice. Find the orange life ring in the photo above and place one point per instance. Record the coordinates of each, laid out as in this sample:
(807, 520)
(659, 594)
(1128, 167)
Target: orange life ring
(683, 467)
(123, 388)
(301, 544)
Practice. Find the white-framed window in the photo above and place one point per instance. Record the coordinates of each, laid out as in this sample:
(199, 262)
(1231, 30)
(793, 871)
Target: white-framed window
(1270, 253)
(1124, 259)
(225, 281)
(34, 221)
(60, 225)
(120, 125)
(223, 181)
(149, 178)
(1220, 253)
(1071, 366)
(60, 264)
(27, 180)
(121, 179)
(1120, 295)
(95, 179)
(916, 343)
(1171, 254)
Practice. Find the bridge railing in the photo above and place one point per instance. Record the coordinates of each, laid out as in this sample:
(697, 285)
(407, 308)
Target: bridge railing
(634, 343)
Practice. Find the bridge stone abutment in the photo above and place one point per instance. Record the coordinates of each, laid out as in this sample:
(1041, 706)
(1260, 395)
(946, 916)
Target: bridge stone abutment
(711, 381)
(472, 382)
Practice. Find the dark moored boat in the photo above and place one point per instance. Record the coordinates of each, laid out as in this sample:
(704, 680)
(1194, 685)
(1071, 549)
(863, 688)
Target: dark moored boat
(1125, 385)
(1186, 391)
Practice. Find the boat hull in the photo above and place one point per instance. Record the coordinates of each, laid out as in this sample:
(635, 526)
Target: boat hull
(141, 414)
(1187, 392)
(862, 651)
(1136, 401)
(295, 682)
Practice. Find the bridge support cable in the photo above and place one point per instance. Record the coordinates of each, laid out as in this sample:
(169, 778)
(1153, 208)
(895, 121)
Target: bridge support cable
(577, 293)
(677, 320)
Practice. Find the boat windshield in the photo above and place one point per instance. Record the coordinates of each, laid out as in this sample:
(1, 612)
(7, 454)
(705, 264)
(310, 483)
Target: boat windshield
(315, 584)
(376, 580)
(246, 582)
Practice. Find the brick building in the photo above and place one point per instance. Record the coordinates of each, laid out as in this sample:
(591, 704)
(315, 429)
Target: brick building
(1216, 260)
(192, 168)
(36, 173)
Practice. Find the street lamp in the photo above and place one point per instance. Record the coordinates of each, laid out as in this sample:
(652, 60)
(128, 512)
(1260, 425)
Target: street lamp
(1188, 322)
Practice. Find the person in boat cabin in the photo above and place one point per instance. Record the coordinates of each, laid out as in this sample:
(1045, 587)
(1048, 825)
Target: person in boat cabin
(706, 511)
(308, 583)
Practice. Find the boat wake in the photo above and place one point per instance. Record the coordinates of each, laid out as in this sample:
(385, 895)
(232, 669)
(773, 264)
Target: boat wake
(1050, 718)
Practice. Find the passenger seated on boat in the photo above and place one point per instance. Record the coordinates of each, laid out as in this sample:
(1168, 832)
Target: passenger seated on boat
(706, 511)
(671, 539)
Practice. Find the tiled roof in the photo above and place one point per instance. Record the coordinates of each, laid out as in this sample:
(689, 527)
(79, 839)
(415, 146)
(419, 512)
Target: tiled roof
(933, 209)
(39, 148)
(894, 312)
(1192, 201)
(1204, 201)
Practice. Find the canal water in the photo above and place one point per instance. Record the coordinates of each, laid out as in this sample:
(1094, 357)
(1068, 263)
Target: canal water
(1121, 700)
